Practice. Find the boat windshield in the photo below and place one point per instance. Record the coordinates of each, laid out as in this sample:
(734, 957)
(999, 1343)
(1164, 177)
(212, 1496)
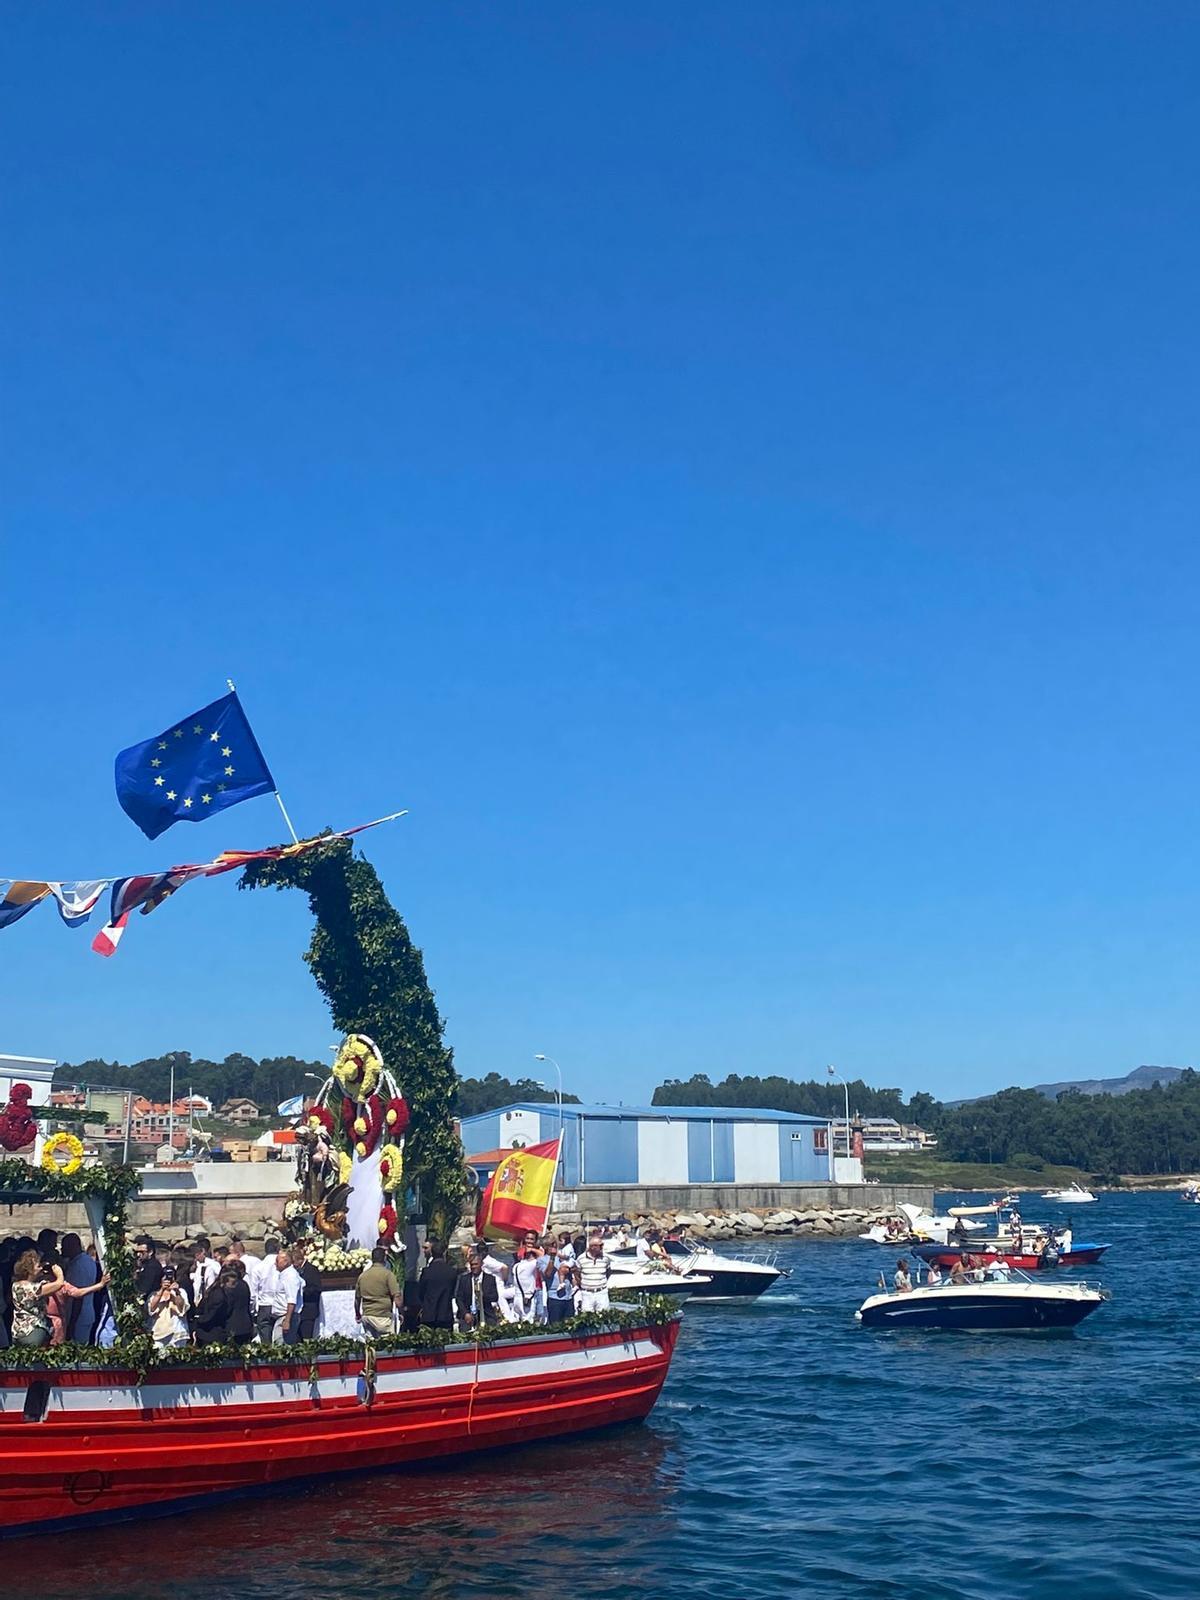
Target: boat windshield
(986, 1272)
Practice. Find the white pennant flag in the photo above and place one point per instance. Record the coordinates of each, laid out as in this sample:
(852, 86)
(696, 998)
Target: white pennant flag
(77, 900)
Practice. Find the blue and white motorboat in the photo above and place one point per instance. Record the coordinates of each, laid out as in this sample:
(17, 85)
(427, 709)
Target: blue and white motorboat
(1009, 1302)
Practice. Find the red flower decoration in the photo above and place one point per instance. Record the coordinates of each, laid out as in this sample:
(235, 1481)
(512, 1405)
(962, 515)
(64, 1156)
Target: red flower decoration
(322, 1115)
(349, 1112)
(397, 1116)
(368, 1125)
(388, 1222)
(18, 1127)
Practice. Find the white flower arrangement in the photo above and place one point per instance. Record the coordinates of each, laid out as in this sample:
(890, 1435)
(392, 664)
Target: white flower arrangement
(330, 1257)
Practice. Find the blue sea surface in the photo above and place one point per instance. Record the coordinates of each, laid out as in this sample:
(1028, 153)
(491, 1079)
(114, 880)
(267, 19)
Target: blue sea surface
(791, 1454)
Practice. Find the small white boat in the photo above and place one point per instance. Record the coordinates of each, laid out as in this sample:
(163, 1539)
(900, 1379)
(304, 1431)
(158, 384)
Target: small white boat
(1191, 1193)
(715, 1277)
(917, 1223)
(1075, 1195)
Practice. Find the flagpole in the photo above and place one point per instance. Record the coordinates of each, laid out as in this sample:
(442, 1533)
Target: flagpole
(554, 1179)
(286, 818)
(278, 796)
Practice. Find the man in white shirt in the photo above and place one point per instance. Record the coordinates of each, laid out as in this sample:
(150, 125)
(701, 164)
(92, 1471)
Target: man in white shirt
(253, 1266)
(591, 1274)
(530, 1285)
(204, 1273)
(491, 1261)
(280, 1296)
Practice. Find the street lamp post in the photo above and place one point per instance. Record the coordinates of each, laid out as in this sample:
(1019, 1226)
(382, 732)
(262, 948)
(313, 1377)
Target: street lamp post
(836, 1076)
(558, 1071)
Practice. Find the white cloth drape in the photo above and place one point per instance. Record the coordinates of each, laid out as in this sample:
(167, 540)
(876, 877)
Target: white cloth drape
(362, 1217)
(337, 1315)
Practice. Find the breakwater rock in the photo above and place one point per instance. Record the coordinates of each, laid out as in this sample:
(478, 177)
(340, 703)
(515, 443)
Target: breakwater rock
(809, 1222)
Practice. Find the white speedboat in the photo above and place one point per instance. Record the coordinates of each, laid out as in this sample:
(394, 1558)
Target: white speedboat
(717, 1277)
(914, 1222)
(678, 1285)
(1075, 1195)
(1011, 1303)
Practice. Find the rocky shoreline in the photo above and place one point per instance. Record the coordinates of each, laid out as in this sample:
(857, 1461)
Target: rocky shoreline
(809, 1223)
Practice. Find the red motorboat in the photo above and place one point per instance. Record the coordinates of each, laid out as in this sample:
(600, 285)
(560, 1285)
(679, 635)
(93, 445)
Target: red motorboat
(87, 1441)
(1080, 1255)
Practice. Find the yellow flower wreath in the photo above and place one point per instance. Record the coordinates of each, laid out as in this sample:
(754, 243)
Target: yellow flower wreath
(358, 1066)
(62, 1141)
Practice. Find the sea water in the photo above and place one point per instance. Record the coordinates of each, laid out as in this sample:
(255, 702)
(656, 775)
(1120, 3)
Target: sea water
(791, 1454)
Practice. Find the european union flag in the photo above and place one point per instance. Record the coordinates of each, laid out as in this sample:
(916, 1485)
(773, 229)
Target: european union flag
(206, 763)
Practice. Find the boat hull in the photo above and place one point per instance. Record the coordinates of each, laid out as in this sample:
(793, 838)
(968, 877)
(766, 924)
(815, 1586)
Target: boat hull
(110, 1447)
(716, 1277)
(1084, 1255)
(964, 1312)
(728, 1283)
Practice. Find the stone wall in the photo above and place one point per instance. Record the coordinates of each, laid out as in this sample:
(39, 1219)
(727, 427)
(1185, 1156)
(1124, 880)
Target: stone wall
(727, 1211)
(600, 1200)
(165, 1218)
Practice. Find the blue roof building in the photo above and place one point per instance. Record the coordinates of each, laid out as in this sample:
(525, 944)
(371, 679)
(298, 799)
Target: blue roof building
(655, 1146)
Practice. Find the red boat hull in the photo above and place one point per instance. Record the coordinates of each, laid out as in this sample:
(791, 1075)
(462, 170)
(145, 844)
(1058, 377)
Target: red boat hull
(108, 1446)
(1027, 1262)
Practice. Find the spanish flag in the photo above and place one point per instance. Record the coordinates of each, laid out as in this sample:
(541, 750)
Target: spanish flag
(518, 1193)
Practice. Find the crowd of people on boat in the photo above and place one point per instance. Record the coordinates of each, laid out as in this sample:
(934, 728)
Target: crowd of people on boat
(544, 1279)
(51, 1290)
(967, 1269)
(227, 1295)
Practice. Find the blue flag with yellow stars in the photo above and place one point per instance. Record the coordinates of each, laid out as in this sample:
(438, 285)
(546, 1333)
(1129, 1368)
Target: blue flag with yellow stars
(206, 763)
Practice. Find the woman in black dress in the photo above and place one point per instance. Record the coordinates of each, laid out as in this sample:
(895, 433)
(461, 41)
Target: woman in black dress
(239, 1323)
(208, 1320)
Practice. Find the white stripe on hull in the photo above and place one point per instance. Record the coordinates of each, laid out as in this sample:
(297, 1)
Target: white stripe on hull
(268, 1391)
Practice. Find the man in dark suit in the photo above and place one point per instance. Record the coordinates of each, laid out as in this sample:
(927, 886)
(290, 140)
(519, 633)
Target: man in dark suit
(147, 1275)
(438, 1283)
(310, 1310)
(476, 1297)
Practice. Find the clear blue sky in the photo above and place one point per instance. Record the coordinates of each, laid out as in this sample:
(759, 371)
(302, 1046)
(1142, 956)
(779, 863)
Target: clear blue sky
(730, 469)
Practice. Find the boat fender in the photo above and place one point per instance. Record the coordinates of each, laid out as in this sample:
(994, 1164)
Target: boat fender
(366, 1378)
(37, 1400)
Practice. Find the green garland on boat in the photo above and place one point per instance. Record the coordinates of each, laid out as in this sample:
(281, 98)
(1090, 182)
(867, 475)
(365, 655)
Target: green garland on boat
(114, 1186)
(141, 1355)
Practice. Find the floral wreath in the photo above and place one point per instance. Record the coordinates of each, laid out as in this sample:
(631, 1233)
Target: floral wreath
(358, 1066)
(67, 1142)
(391, 1167)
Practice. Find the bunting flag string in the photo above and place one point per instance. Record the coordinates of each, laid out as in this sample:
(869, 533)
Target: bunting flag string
(78, 898)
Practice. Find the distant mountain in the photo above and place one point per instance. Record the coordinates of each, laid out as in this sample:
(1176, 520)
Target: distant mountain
(1139, 1078)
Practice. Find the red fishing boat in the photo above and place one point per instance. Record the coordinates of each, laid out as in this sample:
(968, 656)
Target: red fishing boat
(133, 1429)
(88, 1441)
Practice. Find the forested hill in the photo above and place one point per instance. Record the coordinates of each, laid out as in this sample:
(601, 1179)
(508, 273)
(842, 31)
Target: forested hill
(269, 1082)
(1153, 1130)
(810, 1098)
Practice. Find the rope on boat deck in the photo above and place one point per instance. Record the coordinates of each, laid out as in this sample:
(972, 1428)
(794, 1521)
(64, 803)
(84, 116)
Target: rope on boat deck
(474, 1386)
(367, 1375)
